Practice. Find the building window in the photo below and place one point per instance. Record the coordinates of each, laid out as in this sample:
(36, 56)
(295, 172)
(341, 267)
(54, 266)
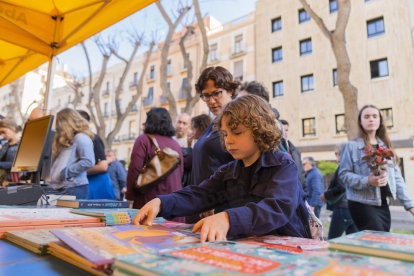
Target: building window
(340, 127)
(181, 94)
(335, 77)
(149, 100)
(277, 54)
(132, 128)
(379, 68)
(276, 24)
(238, 70)
(375, 27)
(213, 52)
(305, 47)
(387, 117)
(333, 6)
(278, 90)
(303, 16)
(152, 72)
(309, 127)
(169, 68)
(238, 44)
(307, 83)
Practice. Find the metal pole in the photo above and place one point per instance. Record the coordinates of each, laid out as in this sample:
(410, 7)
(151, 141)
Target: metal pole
(49, 83)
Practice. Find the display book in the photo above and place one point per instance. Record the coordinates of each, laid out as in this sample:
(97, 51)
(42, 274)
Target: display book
(97, 247)
(92, 203)
(234, 258)
(12, 219)
(376, 243)
(117, 216)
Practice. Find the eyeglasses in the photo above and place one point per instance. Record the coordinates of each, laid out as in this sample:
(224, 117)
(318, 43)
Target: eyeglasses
(216, 95)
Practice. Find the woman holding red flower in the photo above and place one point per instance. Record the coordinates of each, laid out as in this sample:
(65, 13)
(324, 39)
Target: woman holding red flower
(370, 171)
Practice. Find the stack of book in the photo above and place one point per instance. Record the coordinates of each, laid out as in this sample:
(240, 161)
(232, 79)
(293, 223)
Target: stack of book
(33, 240)
(12, 219)
(232, 258)
(92, 203)
(109, 216)
(96, 248)
(375, 243)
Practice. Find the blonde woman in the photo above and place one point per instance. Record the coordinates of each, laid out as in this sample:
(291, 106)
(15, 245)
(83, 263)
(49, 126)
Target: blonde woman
(9, 130)
(72, 153)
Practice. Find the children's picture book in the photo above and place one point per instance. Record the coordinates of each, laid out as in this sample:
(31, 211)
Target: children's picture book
(92, 203)
(232, 258)
(285, 243)
(101, 245)
(43, 218)
(110, 216)
(65, 253)
(376, 243)
(10, 210)
(34, 240)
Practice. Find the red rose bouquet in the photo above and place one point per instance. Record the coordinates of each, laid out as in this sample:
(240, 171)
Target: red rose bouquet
(377, 159)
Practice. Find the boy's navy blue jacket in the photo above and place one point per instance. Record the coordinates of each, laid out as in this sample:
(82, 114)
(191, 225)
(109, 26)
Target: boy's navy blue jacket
(271, 202)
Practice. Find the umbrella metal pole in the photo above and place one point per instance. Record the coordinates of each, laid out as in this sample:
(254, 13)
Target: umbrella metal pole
(47, 103)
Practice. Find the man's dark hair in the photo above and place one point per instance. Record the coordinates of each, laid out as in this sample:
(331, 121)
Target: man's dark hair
(284, 122)
(256, 88)
(201, 122)
(221, 77)
(159, 122)
(84, 115)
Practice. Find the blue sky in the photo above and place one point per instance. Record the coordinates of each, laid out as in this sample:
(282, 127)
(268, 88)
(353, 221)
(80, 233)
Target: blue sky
(148, 21)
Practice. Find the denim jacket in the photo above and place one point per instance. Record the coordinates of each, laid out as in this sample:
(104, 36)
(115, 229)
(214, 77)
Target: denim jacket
(70, 165)
(354, 172)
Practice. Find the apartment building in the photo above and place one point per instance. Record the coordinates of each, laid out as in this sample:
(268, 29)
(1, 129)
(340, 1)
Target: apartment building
(295, 60)
(231, 45)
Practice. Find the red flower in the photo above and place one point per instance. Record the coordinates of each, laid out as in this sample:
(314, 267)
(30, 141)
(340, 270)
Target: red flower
(379, 160)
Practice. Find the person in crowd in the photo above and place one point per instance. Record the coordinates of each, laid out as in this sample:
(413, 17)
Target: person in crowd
(314, 183)
(72, 154)
(260, 190)
(296, 156)
(123, 162)
(159, 126)
(256, 88)
(367, 192)
(182, 126)
(216, 88)
(198, 125)
(3, 142)
(100, 186)
(9, 130)
(341, 218)
(117, 173)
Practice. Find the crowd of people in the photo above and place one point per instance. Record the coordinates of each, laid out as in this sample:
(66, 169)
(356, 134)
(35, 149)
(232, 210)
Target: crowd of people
(239, 173)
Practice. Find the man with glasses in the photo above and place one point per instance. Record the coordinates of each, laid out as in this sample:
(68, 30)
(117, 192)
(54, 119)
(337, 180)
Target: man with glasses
(314, 183)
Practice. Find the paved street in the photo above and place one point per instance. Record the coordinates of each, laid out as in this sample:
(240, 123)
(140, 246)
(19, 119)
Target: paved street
(400, 219)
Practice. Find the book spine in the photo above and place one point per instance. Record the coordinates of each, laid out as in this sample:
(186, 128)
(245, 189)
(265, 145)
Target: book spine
(97, 204)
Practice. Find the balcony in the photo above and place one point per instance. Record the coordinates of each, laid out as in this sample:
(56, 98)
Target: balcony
(148, 101)
(106, 115)
(151, 77)
(134, 109)
(133, 84)
(105, 93)
(238, 51)
(117, 139)
(128, 137)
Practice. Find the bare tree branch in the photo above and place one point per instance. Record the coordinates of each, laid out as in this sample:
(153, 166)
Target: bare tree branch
(203, 35)
(316, 18)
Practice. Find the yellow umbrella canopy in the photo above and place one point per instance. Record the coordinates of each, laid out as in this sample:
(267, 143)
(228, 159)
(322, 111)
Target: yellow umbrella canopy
(31, 32)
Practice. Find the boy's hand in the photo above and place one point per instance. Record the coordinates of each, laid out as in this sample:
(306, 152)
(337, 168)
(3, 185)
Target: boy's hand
(213, 228)
(147, 214)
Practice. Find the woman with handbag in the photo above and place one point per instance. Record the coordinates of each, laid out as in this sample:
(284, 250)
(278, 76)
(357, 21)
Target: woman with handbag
(158, 132)
(72, 154)
(336, 201)
(366, 191)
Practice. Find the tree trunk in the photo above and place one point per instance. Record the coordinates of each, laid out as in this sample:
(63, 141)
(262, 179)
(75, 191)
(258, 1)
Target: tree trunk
(337, 39)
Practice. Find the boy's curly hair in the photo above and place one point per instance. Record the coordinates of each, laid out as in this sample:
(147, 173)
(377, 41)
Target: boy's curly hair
(254, 113)
(222, 79)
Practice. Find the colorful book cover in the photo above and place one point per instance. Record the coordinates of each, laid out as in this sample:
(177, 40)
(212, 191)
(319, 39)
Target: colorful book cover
(11, 210)
(101, 245)
(232, 258)
(91, 203)
(43, 218)
(285, 243)
(376, 243)
(32, 238)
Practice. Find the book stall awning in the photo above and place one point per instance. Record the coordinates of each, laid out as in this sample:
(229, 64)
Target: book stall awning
(33, 32)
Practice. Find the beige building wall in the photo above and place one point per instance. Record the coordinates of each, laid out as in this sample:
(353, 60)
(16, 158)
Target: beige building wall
(394, 91)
